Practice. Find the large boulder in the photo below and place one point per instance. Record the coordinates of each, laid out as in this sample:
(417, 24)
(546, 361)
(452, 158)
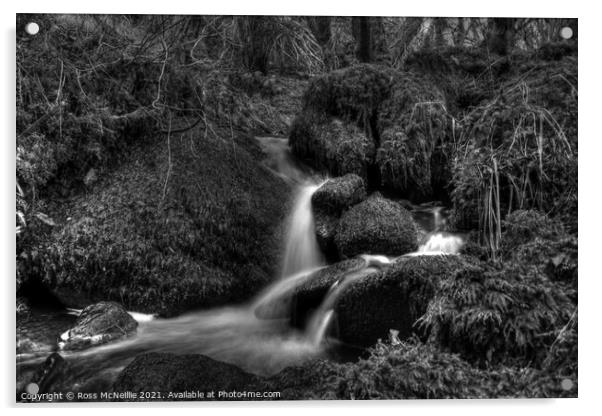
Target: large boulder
(339, 194)
(166, 232)
(171, 373)
(395, 297)
(387, 126)
(98, 324)
(376, 226)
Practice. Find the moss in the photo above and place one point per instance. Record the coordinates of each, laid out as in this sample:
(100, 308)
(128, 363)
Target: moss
(338, 194)
(326, 227)
(507, 314)
(395, 298)
(376, 226)
(171, 230)
(352, 93)
(171, 373)
(331, 145)
(402, 115)
(412, 370)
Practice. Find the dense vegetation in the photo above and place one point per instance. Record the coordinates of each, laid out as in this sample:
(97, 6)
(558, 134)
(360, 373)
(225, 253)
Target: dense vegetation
(138, 179)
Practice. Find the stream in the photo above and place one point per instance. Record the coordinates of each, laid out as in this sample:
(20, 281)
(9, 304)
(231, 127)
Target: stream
(231, 334)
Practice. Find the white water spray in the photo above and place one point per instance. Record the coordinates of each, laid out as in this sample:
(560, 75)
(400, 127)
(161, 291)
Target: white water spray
(442, 243)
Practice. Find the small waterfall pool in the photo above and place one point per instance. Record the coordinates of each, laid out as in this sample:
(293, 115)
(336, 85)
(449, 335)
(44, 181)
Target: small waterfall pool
(230, 334)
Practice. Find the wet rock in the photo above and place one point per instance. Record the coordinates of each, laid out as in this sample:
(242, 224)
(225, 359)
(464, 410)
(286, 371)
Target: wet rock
(338, 194)
(394, 298)
(164, 372)
(376, 226)
(98, 324)
(45, 378)
(310, 295)
(23, 308)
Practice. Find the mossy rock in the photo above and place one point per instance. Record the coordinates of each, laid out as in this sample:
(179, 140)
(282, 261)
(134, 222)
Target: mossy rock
(338, 194)
(165, 373)
(376, 226)
(169, 231)
(394, 298)
(352, 93)
(331, 144)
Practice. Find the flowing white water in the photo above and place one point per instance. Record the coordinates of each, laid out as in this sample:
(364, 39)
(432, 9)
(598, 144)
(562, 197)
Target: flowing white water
(302, 252)
(442, 243)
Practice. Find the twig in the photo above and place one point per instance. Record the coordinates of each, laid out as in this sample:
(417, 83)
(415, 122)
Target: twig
(168, 160)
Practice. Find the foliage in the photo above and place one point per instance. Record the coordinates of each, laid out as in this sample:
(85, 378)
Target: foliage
(519, 151)
(412, 370)
(506, 314)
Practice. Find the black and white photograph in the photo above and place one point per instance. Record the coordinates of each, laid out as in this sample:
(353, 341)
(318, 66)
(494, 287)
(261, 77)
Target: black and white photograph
(295, 207)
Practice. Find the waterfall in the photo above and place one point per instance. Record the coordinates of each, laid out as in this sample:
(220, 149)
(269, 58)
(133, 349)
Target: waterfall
(302, 251)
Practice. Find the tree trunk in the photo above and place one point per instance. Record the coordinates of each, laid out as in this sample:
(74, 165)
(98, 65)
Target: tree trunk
(500, 39)
(360, 27)
(320, 27)
(369, 34)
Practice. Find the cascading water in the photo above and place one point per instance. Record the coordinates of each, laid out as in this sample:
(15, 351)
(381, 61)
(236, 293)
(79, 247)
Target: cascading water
(235, 334)
(230, 334)
(302, 251)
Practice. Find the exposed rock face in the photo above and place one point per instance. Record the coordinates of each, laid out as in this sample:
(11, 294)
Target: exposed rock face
(339, 194)
(163, 372)
(98, 324)
(376, 226)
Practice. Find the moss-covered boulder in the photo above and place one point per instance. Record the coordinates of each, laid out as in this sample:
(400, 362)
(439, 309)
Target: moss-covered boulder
(331, 144)
(177, 374)
(402, 116)
(376, 226)
(338, 194)
(98, 324)
(186, 223)
(395, 297)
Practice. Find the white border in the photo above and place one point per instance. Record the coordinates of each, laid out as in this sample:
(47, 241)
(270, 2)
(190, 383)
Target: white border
(590, 139)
